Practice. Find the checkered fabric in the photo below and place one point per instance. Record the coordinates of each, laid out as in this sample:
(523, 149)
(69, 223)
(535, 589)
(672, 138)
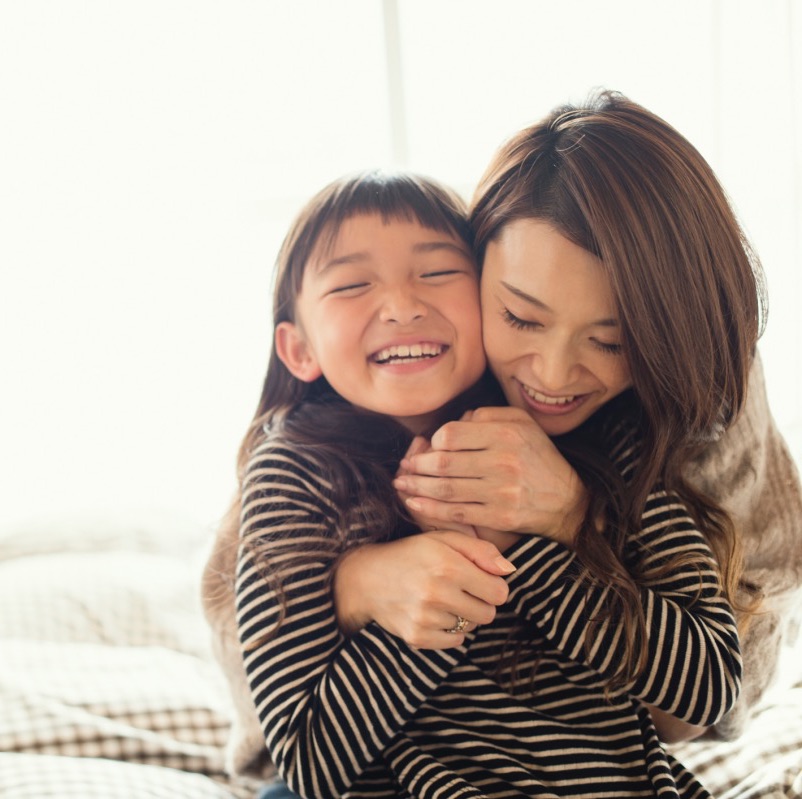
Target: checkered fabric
(766, 761)
(108, 688)
(107, 684)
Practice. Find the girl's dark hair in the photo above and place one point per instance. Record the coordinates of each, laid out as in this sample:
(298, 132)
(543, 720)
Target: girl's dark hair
(623, 184)
(355, 450)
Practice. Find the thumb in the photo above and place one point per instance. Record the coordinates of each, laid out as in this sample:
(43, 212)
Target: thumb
(481, 553)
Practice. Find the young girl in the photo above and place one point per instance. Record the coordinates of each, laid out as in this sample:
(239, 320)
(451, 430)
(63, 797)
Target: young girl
(377, 337)
(621, 308)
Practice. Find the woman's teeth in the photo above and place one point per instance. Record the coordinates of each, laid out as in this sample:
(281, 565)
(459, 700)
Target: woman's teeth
(538, 397)
(408, 352)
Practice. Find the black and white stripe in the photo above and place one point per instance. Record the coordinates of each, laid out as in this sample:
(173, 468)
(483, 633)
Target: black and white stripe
(369, 716)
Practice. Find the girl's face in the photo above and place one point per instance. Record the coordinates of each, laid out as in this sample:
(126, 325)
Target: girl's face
(551, 331)
(390, 317)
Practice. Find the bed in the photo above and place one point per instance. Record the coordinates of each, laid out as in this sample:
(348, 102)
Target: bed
(108, 687)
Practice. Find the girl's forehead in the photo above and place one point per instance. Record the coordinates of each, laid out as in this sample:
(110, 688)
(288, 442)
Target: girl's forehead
(364, 229)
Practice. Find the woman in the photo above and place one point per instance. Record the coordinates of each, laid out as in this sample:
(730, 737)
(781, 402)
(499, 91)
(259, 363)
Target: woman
(746, 469)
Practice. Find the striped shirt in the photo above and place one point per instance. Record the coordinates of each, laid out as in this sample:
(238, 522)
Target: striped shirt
(370, 716)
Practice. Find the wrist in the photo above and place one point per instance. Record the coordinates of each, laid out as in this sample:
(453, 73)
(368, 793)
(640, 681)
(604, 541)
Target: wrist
(350, 591)
(575, 515)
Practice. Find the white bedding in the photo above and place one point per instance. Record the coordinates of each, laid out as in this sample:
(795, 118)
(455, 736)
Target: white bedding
(108, 689)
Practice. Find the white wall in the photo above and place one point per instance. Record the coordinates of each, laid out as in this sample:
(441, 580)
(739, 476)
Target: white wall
(152, 154)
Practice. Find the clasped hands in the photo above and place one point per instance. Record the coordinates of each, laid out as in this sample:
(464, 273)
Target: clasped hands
(474, 489)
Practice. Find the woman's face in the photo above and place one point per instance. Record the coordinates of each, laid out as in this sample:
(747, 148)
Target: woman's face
(551, 331)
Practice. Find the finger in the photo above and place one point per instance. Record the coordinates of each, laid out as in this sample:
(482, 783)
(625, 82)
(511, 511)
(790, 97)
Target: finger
(436, 639)
(442, 463)
(444, 489)
(462, 435)
(505, 414)
(417, 445)
(442, 513)
(480, 553)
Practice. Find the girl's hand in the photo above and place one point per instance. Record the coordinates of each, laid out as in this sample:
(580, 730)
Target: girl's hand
(496, 468)
(416, 587)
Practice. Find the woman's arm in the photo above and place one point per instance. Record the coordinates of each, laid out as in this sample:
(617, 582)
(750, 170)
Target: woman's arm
(416, 587)
(328, 705)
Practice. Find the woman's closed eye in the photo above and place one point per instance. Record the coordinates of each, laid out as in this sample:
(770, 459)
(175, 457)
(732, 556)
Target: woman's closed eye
(519, 324)
(608, 347)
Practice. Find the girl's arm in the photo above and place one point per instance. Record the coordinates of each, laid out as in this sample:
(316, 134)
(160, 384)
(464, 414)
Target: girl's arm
(328, 705)
(692, 653)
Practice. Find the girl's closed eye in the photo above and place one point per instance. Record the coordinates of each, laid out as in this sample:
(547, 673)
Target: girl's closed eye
(349, 288)
(442, 273)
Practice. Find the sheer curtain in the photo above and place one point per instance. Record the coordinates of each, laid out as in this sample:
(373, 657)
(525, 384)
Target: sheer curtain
(152, 154)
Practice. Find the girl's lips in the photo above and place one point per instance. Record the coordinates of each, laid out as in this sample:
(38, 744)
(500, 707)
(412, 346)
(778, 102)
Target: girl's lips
(399, 353)
(551, 408)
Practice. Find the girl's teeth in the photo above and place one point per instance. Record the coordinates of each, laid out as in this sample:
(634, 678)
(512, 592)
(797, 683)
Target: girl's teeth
(538, 397)
(408, 351)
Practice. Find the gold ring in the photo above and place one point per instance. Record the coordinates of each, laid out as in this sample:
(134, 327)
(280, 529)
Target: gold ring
(460, 626)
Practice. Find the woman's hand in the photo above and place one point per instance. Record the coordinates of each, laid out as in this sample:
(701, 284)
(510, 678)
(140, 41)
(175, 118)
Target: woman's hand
(495, 468)
(672, 730)
(416, 587)
(418, 446)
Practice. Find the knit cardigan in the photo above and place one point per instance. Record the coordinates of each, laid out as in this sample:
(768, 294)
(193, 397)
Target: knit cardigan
(748, 470)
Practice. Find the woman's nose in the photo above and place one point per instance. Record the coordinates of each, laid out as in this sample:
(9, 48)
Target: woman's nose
(402, 306)
(553, 365)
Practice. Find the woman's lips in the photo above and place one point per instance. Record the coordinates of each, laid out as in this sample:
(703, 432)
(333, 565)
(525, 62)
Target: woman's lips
(550, 406)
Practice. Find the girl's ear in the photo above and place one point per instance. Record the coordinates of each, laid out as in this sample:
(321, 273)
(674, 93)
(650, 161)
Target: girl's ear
(295, 353)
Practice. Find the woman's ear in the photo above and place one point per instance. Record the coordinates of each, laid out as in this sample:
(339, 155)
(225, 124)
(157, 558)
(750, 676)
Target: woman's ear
(295, 353)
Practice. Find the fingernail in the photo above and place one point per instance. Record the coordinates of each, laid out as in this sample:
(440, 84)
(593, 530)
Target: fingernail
(506, 566)
(400, 483)
(415, 505)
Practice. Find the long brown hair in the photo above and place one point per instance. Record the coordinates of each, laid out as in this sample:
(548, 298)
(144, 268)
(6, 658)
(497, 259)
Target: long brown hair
(620, 182)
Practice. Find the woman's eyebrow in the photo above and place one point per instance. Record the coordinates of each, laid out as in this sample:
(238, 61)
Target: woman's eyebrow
(540, 305)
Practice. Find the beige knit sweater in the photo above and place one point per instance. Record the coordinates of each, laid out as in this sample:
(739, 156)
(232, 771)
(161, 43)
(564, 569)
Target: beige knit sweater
(749, 471)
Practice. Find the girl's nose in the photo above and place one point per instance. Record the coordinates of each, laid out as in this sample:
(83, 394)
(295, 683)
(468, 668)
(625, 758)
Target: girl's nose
(402, 306)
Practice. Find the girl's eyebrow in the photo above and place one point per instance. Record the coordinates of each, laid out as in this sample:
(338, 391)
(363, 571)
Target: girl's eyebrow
(364, 255)
(540, 305)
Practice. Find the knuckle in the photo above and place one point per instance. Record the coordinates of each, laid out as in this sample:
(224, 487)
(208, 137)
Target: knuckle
(445, 489)
(445, 435)
(457, 515)
(442, 462)
(507, 519)
(486, 615)
(502, 593)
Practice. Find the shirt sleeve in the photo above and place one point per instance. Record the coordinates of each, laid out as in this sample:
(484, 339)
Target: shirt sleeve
(329, 705)
(694, 662)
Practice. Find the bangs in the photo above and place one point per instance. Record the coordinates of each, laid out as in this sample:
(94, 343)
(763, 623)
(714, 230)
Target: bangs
(394, 198)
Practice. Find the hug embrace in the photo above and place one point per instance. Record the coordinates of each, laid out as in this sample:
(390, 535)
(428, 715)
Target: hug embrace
(481, 547)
